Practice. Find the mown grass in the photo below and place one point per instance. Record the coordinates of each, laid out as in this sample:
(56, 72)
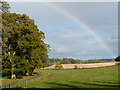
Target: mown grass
(105, 77)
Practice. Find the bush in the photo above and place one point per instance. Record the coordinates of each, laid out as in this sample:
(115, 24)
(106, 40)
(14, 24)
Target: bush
(117, 59)
(75, 67)
(6, 75)
(58, 66)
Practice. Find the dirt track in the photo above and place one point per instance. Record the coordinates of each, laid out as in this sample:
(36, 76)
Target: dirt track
(93, 65)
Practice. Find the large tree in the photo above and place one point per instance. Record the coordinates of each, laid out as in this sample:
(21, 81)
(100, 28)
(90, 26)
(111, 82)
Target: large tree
(25, 49)
(23, 45)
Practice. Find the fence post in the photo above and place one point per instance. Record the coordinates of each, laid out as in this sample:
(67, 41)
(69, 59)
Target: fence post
(13, 85)
(19, 84)
(9, 85)
(26, 82)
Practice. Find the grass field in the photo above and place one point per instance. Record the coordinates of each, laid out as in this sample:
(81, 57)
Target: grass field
(104, 77)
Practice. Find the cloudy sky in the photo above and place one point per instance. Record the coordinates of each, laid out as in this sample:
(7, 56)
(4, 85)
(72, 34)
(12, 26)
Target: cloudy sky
(61, 23)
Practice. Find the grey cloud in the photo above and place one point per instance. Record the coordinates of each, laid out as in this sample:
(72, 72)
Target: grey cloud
(65, 36)
(74, 47)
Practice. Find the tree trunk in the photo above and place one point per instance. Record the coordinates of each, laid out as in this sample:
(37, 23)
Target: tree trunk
(31, 71)
(27, 74)
(13, 76)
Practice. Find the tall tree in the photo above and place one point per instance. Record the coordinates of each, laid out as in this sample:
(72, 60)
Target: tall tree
(23, 46)
(26, 48)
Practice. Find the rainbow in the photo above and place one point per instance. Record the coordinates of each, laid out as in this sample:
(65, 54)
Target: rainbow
(85, 27)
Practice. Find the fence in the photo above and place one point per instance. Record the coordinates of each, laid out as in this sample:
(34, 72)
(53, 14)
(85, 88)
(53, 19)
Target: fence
(18, 83)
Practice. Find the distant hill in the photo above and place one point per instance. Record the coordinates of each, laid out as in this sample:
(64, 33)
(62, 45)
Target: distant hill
(53, 61)
(106, 60)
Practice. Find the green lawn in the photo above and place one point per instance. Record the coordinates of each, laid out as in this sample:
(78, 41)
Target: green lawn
(105, 77)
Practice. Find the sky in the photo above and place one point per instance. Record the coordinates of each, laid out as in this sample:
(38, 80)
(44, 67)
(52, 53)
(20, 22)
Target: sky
(66, 36)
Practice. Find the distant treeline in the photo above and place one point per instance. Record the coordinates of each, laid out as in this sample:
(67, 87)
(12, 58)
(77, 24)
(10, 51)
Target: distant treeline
(52, 61)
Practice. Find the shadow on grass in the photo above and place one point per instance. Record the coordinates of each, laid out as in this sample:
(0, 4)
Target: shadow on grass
(61, 86)
(106, 82)
(57, 89)
(98, 83)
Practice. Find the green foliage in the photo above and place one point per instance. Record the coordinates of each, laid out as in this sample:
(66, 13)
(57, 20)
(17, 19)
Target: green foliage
(68, 61)
(117, 59)
(23, 45)
(58, 66)
(52, 61)
(76, 61)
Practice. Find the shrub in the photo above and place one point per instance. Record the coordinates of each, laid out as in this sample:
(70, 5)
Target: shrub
(58, 66)
(75, 67)
(117, 59)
